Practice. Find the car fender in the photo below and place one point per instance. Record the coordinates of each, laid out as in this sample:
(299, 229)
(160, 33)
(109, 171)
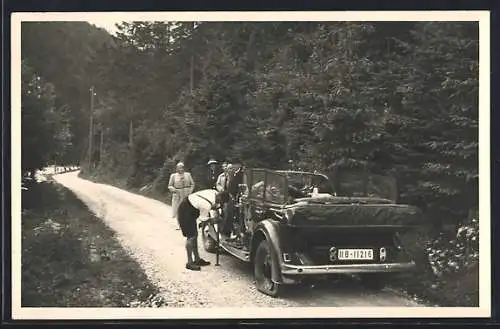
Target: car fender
(270, 229)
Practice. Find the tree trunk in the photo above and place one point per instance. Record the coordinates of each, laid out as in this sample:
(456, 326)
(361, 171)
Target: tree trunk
(349, 51)
(91, 124)
(131, 134)
(167, 43)
(250, 50)
(191, 76)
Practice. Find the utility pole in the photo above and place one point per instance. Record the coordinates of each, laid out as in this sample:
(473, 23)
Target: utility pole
(101, 145)
(91, 124)
(191, 73)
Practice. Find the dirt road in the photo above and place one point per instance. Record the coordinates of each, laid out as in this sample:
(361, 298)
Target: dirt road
(145, 228)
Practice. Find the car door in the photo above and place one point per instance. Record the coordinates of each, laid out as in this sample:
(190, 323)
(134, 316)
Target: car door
(253, 202)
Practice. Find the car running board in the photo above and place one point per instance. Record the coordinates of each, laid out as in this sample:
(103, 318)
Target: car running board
(239, 253)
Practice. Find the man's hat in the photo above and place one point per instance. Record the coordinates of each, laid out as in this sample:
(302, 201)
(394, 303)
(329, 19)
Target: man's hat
(211, 161)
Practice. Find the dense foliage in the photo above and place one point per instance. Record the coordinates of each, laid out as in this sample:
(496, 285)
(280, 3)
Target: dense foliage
(45, 129)
(399, 97)
(395, 97)
(57, 58)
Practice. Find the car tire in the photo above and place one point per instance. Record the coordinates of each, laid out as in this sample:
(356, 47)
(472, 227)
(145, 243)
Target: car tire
(209, 244)
(263, 263)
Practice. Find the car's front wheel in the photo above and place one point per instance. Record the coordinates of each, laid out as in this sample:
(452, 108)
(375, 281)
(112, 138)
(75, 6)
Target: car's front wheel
(263, 264)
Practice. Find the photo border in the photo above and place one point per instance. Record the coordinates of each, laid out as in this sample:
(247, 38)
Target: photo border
(484, 309)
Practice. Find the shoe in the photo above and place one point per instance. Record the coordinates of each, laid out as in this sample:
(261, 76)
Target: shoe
(232, 238)
(193, 267)
(202, 262)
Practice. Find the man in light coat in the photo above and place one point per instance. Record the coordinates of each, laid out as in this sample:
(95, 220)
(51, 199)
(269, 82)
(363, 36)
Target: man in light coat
(180, 184)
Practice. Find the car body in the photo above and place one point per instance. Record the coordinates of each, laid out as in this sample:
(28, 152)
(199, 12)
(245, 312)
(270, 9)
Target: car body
(297, 224)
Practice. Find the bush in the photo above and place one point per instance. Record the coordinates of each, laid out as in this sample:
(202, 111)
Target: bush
(447, 265)
(448, 255)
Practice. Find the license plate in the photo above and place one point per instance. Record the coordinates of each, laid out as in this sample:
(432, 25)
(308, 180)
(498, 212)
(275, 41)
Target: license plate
(355, 254)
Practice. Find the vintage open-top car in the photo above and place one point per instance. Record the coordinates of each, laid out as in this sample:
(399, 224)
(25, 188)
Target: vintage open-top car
(294, 225)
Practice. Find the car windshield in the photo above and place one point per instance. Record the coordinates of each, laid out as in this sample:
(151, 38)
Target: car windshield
(303, 183)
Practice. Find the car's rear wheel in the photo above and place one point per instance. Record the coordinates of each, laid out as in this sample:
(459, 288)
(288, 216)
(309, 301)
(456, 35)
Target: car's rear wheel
(263, 265)
(209, 244)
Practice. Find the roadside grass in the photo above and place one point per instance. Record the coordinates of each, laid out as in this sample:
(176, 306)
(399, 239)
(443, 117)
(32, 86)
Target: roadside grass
(70, 258)
(456, 286)
(121, 183)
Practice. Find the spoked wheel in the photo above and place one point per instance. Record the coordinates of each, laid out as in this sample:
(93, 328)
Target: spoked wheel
(263, 264)
(209, 244)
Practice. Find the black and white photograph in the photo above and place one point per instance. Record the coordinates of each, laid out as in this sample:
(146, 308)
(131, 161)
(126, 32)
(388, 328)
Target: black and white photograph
(196, 165)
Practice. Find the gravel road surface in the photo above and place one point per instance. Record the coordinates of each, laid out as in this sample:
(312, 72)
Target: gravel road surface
(144, 227)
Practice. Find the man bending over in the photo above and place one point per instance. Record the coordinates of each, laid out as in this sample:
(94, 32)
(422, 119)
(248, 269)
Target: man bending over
(201, 204)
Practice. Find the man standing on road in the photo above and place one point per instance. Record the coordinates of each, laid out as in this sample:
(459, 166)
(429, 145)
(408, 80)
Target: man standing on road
(228, 207)
(221, 183)
(202, 205)
(212, 173)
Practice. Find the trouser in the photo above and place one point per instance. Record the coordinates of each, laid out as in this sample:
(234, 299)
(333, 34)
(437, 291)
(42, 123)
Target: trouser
(186, 217)
(228, 215)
